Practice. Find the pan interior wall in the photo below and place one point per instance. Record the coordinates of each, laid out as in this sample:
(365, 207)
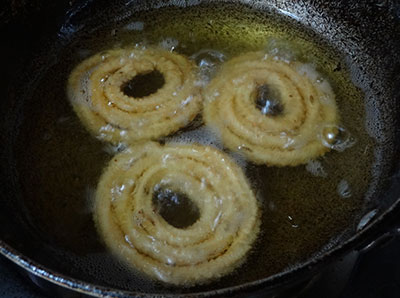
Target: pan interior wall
(305, 213)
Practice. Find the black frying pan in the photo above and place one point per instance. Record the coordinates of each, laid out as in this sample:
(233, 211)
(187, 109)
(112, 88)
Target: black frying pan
(366, 33)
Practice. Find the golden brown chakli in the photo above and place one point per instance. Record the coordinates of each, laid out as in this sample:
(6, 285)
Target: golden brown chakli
(273, 111)
(95, 89)
(132, 228)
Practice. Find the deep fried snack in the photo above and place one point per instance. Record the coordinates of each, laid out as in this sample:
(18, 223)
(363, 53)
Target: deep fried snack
(272, 111)
(127, 220)
(96, 91)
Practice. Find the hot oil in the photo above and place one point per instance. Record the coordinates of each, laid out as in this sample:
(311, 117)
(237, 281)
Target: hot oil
(304, 208)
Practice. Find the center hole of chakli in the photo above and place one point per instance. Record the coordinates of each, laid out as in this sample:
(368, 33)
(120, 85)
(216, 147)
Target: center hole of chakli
(268, 100)
(175, 207)
(144, 84)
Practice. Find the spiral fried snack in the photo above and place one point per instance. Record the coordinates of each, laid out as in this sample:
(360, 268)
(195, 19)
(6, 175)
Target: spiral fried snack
(132, 228)
(274, 112)
(96, 91)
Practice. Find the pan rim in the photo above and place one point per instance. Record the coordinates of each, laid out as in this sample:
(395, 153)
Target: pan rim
(286, 278)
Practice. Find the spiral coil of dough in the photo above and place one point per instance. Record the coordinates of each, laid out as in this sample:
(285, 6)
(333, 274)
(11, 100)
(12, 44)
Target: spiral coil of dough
(132, 228)
(297, 119)
(95, 89)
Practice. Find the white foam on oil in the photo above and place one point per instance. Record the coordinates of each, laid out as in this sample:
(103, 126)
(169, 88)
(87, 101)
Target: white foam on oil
(344, 189)
(309, 70)
(206, 136)
(135, 26)
(203, 136)
(316, 169)
(276, 51)
(169, 43)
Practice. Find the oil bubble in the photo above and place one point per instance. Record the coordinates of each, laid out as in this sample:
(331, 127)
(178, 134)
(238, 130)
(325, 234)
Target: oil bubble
(336, 137)
(208, 62)
(206, 57)
(343, 189)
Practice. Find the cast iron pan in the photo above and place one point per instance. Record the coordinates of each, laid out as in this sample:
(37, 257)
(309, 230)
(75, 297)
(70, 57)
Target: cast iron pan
(366, 33)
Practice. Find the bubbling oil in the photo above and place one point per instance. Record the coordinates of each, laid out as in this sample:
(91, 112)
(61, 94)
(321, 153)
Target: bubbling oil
(304, 208)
